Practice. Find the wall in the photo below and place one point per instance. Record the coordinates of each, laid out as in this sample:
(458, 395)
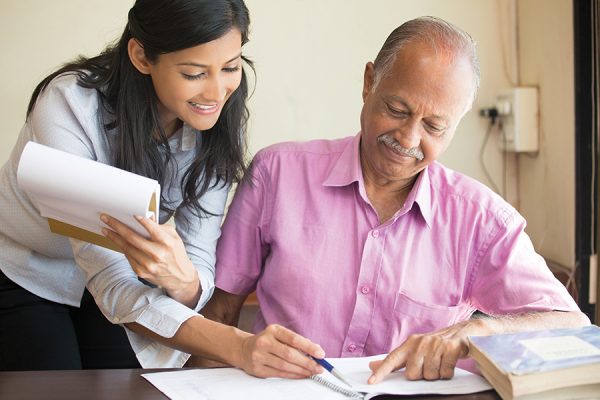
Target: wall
(310, 73)
(309, 57)
(38, 36)
(547, 180)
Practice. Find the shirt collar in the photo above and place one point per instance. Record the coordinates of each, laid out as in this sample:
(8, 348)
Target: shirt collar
(347, 170)
(184, 139)
(421, 194)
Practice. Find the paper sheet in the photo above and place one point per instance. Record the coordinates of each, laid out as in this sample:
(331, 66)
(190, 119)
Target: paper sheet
(75, 191)
(357, 371)
(231, 383)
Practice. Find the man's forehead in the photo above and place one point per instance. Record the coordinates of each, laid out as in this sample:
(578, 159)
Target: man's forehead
(420, 70)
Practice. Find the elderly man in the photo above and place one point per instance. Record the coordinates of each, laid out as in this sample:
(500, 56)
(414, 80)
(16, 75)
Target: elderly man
(367, 245)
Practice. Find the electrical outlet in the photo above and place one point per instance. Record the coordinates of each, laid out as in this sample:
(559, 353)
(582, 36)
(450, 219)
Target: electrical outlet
(518, 112)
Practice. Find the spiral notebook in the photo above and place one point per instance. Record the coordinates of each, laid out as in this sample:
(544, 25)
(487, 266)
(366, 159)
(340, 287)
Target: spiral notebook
(231, 383)
(346, 391)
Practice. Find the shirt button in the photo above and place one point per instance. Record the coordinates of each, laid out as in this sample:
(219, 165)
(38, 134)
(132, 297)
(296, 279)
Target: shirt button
(352, 348)
(364, 290)
(375, 233)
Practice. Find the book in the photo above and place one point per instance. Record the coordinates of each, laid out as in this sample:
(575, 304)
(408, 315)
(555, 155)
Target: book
(72, 191)
(545, 364)
(233, 383)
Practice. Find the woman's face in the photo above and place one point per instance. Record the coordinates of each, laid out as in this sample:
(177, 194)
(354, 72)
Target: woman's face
(193, 84)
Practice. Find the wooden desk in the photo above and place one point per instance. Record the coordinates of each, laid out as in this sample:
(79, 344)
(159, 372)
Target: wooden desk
(116, 384)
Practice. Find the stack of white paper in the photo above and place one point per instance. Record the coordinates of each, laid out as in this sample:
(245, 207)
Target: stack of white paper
(72, 192)
(232, 383)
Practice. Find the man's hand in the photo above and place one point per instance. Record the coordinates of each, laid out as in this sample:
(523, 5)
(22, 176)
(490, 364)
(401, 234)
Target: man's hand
(279, 352)
(434, 355)
(161, 260)
(428, 356)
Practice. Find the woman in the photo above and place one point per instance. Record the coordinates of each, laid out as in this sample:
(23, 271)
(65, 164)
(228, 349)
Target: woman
(167, 101)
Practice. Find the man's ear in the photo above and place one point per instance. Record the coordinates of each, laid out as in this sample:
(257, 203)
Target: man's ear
(138, 57)
(369, 80)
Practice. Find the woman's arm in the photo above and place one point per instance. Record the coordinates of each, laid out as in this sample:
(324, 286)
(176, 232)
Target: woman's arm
(276, 351)
(161, 260)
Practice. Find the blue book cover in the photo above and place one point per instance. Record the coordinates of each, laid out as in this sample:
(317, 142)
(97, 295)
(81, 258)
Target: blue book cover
(537, 351)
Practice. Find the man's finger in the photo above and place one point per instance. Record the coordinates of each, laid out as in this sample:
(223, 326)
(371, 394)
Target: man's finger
(394, 361)
(373, 365)
(448, 363)
(431, 367)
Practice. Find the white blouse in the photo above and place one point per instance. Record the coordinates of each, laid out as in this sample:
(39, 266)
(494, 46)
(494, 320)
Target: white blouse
(66, 116)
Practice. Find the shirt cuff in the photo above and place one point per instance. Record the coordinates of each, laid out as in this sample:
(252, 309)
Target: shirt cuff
(164, 316)
(208, 287)
(152, 354)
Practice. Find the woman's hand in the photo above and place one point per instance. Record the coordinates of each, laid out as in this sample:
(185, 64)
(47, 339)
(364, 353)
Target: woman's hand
(160, 260)
(279, 352)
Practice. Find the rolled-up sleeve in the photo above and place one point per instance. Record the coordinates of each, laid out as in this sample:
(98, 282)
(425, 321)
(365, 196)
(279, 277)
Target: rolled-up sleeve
(200, 236)
(122, 298)
(511, 277)
(243, 246)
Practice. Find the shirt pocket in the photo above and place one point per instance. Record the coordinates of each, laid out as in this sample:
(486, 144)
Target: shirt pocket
(413, 316)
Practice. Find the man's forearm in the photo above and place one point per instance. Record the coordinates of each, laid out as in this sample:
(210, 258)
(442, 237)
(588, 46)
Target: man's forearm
(490, 325)
(417, 353)
(224, 307)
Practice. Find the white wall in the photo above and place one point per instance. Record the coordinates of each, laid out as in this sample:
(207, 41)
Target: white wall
(547, 181)
(309, 57)
(36, 37)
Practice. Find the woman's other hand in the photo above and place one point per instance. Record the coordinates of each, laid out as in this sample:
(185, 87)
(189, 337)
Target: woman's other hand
(160, 260)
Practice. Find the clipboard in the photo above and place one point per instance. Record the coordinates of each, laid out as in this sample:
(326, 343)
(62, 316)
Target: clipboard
(72, 192)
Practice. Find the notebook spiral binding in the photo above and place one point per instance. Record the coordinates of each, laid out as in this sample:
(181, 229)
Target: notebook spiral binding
(346, 392)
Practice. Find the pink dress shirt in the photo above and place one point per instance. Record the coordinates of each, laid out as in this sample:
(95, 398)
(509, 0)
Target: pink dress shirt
(305, 236)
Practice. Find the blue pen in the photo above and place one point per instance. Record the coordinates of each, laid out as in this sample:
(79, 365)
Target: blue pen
(322, 362)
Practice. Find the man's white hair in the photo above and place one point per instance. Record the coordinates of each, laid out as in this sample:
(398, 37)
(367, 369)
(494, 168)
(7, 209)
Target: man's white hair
(441, 35)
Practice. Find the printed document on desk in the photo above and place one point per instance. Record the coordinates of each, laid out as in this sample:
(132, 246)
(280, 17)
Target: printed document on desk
(229, 383)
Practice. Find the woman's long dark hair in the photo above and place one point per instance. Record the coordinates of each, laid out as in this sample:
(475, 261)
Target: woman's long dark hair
(128, 96)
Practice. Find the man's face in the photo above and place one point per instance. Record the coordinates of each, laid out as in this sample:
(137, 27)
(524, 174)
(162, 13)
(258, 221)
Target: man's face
(409, 118)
